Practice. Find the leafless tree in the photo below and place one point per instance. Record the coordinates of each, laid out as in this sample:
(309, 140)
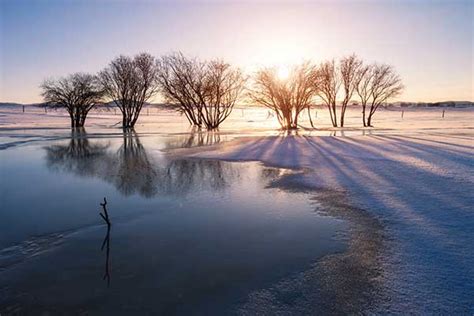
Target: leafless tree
(363, 88)
(129, 83)
(349, 69)
(377, 84)
(224, 88)
(206, 91)
(329, 82)
(77, 93)
(286, 97)
(181, 80)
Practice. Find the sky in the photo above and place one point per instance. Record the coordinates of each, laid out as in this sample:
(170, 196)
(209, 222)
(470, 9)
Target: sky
(430, 43)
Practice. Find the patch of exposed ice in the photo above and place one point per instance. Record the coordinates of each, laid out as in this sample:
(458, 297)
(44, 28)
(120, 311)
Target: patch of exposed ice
(29, 248)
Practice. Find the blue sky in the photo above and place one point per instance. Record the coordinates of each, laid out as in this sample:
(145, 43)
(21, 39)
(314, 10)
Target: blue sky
(429, 42)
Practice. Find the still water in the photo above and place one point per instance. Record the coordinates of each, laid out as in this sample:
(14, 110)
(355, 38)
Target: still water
(187, 236)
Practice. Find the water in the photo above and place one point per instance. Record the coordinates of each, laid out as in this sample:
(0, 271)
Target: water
(187, 236)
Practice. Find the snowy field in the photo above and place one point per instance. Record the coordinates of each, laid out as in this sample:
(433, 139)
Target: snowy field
(36, 124)
(413, 176)
(245, 120)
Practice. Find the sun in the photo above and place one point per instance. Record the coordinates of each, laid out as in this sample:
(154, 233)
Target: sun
(283, 72)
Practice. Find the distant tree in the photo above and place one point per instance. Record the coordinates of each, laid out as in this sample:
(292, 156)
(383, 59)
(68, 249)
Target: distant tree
(329, 82)
(77, 93)
(286, 97)
(377, 84)
(129, 83)
(348, 69)
(206, 91)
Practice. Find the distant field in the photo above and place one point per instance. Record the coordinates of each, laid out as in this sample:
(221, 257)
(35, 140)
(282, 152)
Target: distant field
(249, 119)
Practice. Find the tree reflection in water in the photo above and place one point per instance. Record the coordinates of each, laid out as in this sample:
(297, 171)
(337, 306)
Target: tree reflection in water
(196, 138)
(131, 169)
(79, 156)
(134, 170)
(106, 242)
(183, 176)
(106, 245)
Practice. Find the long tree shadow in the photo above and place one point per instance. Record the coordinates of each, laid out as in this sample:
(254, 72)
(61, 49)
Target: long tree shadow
(421, 191)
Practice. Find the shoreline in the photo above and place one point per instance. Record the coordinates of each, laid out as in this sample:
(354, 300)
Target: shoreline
(342, 283)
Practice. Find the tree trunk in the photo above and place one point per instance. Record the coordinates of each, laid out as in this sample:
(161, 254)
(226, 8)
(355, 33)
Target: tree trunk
(127, 121)
(330, 114)
(212, 127)
(363, 116)
(74, 118)
(80, 120)
(310, 119)
(134, 120)
(343, 114)
(83, 118)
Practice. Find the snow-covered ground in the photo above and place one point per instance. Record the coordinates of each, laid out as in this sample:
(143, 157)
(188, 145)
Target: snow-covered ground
(414, 174)
(248, 120)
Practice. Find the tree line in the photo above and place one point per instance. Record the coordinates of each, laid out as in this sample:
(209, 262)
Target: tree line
(206, 91)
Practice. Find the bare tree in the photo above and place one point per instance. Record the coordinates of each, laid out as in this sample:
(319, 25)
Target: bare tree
(286, 97)
(77, 93)
(329, 83)
(349, 69)
(363, 88)
(129, 83)
(224, 85)
(181, 80)
(385, 83)
(206, 91)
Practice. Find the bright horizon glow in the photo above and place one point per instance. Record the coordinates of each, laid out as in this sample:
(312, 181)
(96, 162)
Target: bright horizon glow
(430, 44)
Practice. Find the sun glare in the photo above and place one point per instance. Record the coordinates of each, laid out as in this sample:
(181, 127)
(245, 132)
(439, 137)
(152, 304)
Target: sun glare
(283, 72)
